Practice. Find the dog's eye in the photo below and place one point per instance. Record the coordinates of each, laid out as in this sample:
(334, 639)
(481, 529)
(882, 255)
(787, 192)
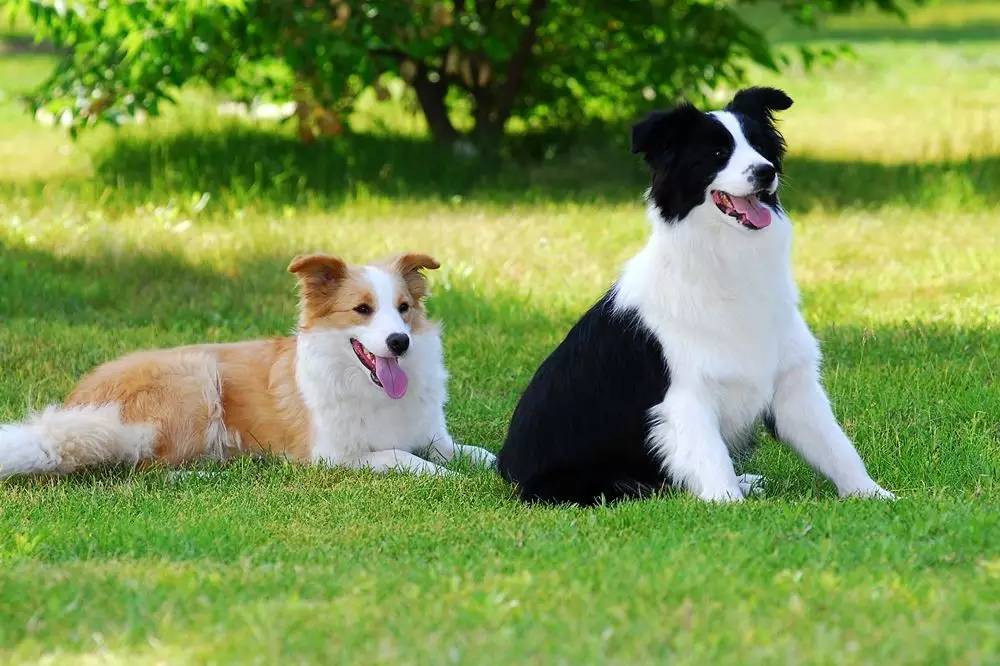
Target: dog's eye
(363, 309)
(719, 154)
(403, 308)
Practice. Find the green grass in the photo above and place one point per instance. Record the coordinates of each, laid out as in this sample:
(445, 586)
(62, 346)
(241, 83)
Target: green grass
(179, 231)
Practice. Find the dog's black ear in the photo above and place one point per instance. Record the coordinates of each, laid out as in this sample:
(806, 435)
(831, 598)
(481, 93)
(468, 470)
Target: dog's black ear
(660, 130)
(760, 102)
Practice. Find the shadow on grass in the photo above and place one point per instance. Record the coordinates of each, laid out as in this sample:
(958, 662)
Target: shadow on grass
(135, 290)
(878, 27)
(15, 44)
(831, 184)
(254, 164)
(247, 166)
(162, 291)
(97, 308)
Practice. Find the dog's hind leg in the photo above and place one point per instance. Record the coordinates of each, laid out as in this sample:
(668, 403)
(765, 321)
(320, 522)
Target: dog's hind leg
(178, 392)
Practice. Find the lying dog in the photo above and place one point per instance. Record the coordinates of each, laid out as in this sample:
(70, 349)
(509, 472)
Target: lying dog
(362, 383)
(701, 336)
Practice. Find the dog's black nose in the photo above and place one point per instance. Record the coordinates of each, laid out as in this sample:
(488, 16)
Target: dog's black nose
(763, 175)
(398, 343)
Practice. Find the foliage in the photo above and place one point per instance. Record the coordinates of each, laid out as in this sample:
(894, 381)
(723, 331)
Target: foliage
(547, 62)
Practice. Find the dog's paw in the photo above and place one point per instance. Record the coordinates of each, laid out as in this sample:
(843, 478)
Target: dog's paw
(751, 484)
(182, 475)
(419, 466)
(434, 470)
(479, 457)
(869, 490)
(722, 494)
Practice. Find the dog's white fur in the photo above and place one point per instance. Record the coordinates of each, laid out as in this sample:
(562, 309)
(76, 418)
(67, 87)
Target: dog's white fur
(735, 342)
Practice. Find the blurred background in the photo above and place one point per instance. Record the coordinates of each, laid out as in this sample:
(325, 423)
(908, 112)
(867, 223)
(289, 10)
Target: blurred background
(161, 162)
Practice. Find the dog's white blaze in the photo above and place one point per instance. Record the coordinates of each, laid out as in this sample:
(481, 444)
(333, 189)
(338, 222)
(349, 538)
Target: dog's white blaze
(350, 417)
(736, 178)
(386, 319)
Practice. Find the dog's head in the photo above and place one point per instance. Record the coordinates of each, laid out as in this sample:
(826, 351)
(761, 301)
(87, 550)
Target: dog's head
(372, 313)
(727, 160)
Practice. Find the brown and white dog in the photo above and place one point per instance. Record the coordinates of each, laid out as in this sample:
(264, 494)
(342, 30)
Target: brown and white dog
(362, 383)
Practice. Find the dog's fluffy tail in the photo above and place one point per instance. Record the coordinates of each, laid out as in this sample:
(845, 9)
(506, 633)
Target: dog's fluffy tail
(60, 440)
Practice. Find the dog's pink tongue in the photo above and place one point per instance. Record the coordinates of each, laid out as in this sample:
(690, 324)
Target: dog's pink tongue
(757, 213)
(393, 379)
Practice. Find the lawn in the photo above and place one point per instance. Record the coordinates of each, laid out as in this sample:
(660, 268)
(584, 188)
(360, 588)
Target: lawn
(178, 231)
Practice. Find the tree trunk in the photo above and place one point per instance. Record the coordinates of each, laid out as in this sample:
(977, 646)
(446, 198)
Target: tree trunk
(487, 130)
(494, 106)
(431, 95)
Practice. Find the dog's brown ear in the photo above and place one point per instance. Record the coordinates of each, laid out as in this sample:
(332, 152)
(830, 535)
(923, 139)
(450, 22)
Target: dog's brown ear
(409, 266)
(320, 277)
(317, 268)
(408, 263)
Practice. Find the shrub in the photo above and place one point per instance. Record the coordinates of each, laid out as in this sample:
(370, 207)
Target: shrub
(547, 62)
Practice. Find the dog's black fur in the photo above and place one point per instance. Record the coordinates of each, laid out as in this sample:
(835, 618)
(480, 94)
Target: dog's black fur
(573, 434)
(579, 433)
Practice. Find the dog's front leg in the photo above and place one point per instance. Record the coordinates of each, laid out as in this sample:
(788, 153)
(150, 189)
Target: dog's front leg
(804, 420)
(685, 436)
(395, 460)
(444, 449)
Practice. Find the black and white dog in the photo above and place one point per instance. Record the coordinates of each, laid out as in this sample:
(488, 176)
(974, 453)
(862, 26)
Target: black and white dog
(701, 336)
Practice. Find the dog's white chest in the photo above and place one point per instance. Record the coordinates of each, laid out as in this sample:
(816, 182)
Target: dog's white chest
(381, 424)
(730, 355)
(721, 320)
(740, 397)
(351, 417)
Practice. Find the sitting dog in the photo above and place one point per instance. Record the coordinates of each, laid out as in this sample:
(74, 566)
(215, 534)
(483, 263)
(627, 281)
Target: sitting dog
(362, 383)
(700, 337)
